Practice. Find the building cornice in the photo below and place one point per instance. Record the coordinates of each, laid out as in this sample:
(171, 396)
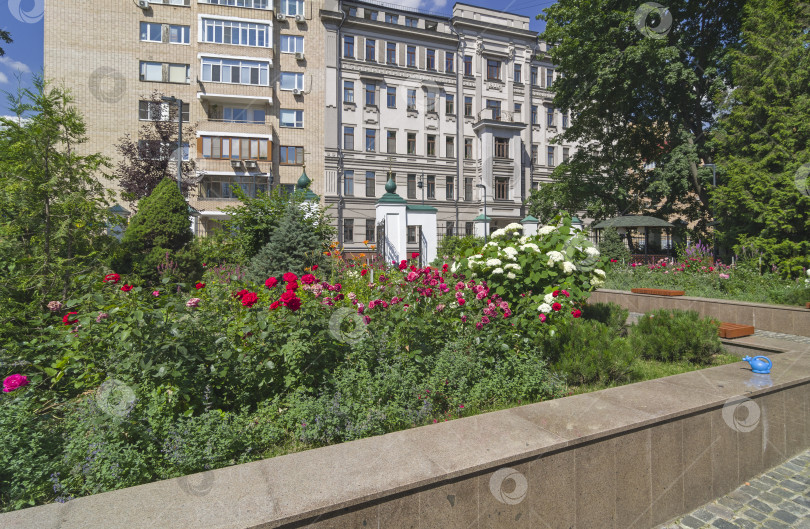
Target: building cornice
(400, 71)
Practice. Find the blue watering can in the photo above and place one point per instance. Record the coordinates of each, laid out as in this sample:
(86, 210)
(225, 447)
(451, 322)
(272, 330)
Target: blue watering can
(759, 364)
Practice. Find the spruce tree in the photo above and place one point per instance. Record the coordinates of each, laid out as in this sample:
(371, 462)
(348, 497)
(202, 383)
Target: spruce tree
(293, 247)
(611, 246)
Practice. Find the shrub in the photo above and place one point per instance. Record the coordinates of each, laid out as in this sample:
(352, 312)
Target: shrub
(456, 246)
(613, 247)
(611, 314)
(673, 335)
(588, 351)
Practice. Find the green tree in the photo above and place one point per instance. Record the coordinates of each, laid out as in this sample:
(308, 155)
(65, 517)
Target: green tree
(642, 87)
(763, 140)
(53, 208)
(611, 246)
(5, 36)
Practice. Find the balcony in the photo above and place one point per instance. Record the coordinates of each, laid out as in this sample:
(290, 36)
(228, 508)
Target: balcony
(502, 119)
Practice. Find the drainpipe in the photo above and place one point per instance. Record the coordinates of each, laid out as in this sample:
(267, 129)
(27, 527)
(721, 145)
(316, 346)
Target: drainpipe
(459, 119)
(535, 50)
(339, 101)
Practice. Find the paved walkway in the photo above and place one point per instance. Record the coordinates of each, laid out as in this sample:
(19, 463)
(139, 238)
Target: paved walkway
(777, 499)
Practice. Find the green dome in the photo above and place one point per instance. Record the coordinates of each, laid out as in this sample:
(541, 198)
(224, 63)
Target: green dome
(390, 185)
(304, 181)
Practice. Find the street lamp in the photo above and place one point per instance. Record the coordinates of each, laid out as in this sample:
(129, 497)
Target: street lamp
(179, 102)
(482, 186)
(714, 220)
(421, 185)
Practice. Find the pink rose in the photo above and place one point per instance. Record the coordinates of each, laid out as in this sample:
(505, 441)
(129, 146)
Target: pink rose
(12, 382)
(55, 306)
(193, 302)
(156, 293)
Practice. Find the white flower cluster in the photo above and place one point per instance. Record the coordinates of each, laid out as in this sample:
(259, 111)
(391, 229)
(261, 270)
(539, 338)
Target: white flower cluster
(513, 266)
(545, 308)
(545, 230)
(493, 262)
(554, 257)
(568, 268)
(530, 246)
(511, 275)
(511, 252)
(591, 251)
(498, 271)
(599, 272)
(549, 299)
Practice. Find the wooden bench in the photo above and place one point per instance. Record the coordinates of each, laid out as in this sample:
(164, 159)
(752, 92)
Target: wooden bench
(657, 292)
(808, 305)
(734, 330)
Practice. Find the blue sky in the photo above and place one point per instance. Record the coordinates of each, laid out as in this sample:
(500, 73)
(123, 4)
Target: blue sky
(23, 18)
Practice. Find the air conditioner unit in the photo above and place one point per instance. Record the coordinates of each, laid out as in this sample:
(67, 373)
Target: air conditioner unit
(236, 164)
(299, 56)
(296, 92)
(143, 4)
(251, 164)
(300, 18)
(281, 16)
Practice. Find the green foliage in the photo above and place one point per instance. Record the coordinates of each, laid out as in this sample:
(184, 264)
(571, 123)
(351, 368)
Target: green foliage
(254, 221)
(588, 351)
(294, 246)
(673, 335)
(456, 246)
(610, 314)
(611, 246)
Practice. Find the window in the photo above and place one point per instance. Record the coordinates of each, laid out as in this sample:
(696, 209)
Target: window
(449, 190)
(411, 186)
(160, 111)
(291, 81)
(449, 104)
(430, 102)
(164, 73)
(411, 234)
(151, 32)
(371, 188)
(243, 115)
(450, 147)
(468, 106)
(468, 149)
(348, 138)
(391, 141)
(410, 57)
(565, 154)
(155, 149)
(391, 53)
(292, 7)
(550, 157)
(348, 47)
(348, 230)
(501, 188)
(534, 114)
(534, 154)
(565, 120)
(178, 34)
(431, 59)
(431, 25)
(291, 118)
(371, 50)
(411, 143)
(351, 11)
(534, 75)
(431, 145)
(449, 62)
(235, 148)
(371, 140)
(518, 110)
(493, 70)
(451, 228)
(391, 92)
(348, 91)
(411, 22)
(468, 228)
(235, 71)
(431, 187)
(348, 183)
(235, 33)
(371, 94)
(222, 186)
(411, 99)
(468, 65)
(370, 229)
(468, 192)
(252, 4)
(550, 116)
(501, 148)
(370, 15)
(292, 44)
(291, 155)
(518, 69)
(549, 77)
(496, 108)
(392, 19)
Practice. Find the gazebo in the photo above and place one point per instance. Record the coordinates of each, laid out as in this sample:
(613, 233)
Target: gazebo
(649, 229)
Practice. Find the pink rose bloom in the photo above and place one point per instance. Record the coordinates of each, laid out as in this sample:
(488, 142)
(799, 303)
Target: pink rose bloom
(542, 317)
(101, 316)
(503, 305)
(460, 285)
(484, 319)
(723, 276)
(464, 318)
(156, 293)
(507, 313)
(351, 295)
(440, 307)
(55, 306)
(444, 288)
(367, 319)
(360, 308)
(193, 302)
(481, 295)
(479, 325)
(12, 382)
(412, 276)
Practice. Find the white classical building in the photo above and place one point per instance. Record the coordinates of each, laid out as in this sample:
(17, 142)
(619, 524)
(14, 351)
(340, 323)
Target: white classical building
(457, 109)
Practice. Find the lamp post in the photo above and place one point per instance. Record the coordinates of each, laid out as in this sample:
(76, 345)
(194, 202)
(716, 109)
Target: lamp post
(179, 102)
(714, 220)
(482, 186)
(421, 185)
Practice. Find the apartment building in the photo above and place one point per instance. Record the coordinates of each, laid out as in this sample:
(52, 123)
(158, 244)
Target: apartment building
(250, 74)
(452, 108)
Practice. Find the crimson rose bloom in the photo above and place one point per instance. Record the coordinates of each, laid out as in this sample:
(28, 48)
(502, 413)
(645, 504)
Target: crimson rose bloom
(112, 278)
(576, 313)
(287, 296)
(12, 382)
(314, 267)
(249, 299)
(294, 304)
(126, 288)
(199, 286)
(289, 276)
(240, 293)
(66, 318)
(271, 282)
(556, 307)
(308, 279)
(363, 272)
(274, 305)
(414, 255)
(292, 285)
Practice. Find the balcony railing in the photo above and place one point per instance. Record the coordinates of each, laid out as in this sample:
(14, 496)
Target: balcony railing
(498, 115)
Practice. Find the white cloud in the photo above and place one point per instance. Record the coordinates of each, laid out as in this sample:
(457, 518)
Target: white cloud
(3, 78)
(15, 65)
(409, 3)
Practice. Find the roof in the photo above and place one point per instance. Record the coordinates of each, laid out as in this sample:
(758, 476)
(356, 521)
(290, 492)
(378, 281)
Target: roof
(633, 221)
